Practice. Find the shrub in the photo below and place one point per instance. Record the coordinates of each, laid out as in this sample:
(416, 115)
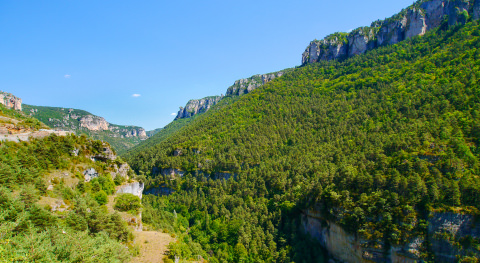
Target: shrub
(101, 197)
(128, 202)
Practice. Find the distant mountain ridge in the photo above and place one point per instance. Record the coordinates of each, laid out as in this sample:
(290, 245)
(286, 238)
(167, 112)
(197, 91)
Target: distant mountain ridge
(239, 88)
(413, 21)
(121, 137)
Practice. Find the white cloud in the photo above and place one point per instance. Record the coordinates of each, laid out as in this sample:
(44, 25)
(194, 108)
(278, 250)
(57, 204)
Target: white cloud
(67, 76)
(173, 114)
(136, 95)
(350, 30)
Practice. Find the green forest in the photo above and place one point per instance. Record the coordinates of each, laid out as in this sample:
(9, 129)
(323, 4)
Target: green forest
(69, 119)
(82, 230)
(377, 141)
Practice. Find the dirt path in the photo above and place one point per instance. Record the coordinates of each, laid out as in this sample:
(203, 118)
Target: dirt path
(153, 246)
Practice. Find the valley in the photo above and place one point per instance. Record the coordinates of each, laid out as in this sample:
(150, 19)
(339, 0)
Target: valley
(366, 152)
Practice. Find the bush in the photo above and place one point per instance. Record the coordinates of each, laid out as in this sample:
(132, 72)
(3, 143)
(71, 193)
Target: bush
(101, 197)
(128, 202)
(119, 180)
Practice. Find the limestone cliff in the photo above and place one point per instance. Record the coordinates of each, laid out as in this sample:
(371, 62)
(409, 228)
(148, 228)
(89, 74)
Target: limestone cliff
(121, 137)
(443, 238)
(10, 101)
(194, 107)
(244, 86)
(240, 87)
(416, 20)
(93, 123)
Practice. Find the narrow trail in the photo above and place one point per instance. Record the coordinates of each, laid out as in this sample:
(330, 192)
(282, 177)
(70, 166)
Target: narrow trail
(153, 246)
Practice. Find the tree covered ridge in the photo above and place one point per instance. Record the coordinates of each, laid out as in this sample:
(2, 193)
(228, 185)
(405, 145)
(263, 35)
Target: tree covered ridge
(378, 140)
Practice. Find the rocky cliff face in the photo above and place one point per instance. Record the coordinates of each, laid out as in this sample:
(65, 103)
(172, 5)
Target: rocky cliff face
(240, 87)
(445, 234)
(194, 107)
(121, 137)
(79, 120)
(414, 21)
(93, 123)
(10, 101)
(135, 188)
(244, 86)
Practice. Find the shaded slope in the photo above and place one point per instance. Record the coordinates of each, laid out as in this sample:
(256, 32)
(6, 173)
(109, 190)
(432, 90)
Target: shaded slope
(394, 130)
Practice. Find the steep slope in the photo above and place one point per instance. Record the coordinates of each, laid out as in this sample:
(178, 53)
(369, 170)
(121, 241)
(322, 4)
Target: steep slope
(121, 137)
(413, 21)
(382, 146)
(51, 211)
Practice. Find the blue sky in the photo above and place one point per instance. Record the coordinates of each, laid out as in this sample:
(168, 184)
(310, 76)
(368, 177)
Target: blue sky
(95, 55)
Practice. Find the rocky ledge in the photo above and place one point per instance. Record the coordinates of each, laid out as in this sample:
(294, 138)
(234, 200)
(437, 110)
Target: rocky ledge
(413, 21)
(195, 107)
(10, 101)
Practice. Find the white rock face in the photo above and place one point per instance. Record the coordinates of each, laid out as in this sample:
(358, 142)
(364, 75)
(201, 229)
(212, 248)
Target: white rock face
(10, 101)
(244, 86)
(357, 43)
(135, 188)
(413, 22)
(194, 107)
(417, 25)
(94, 123)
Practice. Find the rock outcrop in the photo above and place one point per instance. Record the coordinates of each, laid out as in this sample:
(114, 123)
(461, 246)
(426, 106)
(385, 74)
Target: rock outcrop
(476, 10)
(195, 107)
(81, 121)
(10, 101)
(94, 123)
(135, 188)
(244, 86)
(121, 170)
(89, 174)
(414, 21)
(445, 230)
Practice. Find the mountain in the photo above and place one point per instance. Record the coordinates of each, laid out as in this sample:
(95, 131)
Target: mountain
(373, 157)
(415, 20)
(240, 87)
(195, 107)
(61, 196)
(121, 137)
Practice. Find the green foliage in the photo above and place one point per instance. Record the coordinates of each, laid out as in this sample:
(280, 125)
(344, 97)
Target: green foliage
(25, 122)
(85, 232)
(101, 197)
(375, 141)
(128, 202)
(32, 234)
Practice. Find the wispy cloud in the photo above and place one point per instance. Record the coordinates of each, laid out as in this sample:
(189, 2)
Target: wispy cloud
(136, 95)
(67, 76)
(173, 114)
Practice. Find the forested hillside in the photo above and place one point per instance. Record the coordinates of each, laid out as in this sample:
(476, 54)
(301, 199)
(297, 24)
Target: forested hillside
(120, 137)
(49, 212)
(378, 141)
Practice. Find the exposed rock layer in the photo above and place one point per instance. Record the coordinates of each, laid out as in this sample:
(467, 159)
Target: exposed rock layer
(414, 21)
(10, 101)
(194, 107)
(350, 248)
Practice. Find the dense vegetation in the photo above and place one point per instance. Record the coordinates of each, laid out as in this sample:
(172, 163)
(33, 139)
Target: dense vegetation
(161, 135)
(377, 141)
(81, 230)
(24, 122)
(69, 119)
